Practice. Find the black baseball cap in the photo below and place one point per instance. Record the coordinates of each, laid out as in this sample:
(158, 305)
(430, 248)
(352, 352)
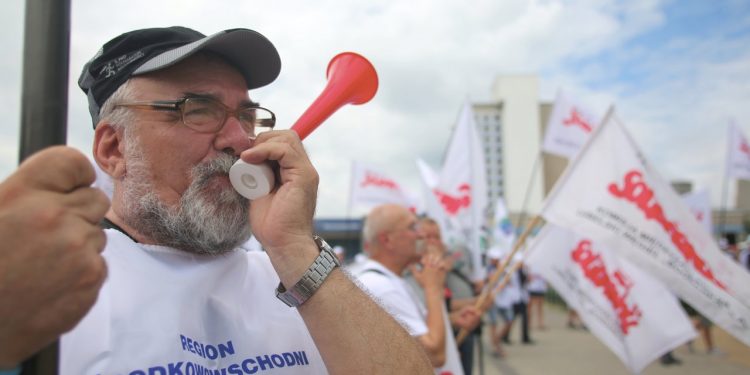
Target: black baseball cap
(147, 50)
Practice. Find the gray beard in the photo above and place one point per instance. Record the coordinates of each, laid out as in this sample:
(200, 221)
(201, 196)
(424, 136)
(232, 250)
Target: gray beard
(204, 221)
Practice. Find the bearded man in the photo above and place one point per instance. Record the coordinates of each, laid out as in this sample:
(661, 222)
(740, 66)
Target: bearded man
(171, 113)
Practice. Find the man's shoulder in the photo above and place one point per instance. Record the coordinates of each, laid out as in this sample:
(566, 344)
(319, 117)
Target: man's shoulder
(371, 269)
(378, 280)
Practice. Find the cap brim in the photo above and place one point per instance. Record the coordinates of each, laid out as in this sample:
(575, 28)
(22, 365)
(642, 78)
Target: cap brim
(247, 50)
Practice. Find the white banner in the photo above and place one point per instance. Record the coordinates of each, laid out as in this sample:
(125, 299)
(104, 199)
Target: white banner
(462, 186)
(632, 313)
(370, 188)
(611, 193)
(449, 227)
(738, 154)
(569, 126)
(699, 203)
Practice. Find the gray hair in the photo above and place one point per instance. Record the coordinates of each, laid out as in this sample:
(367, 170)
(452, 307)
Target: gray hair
(380, 219)
(119, 117)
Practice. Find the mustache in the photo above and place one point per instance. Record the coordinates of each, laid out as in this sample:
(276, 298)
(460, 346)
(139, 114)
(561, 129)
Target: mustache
(220, 165)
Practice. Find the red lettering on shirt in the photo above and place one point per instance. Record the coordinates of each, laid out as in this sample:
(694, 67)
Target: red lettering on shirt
(453, 204)
(636, 190)
(616, 292)
(575, 119)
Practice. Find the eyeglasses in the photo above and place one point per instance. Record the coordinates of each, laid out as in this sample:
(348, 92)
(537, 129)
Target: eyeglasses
(208, 115)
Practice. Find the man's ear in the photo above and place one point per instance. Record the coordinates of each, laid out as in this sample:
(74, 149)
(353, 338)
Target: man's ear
(108, 150)
(383, 239)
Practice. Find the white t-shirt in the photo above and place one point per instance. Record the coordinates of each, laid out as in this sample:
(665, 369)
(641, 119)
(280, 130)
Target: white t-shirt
(398, 297)
(165, 311)
(395, 295)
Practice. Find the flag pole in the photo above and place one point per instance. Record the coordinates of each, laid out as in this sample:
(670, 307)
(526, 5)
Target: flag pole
(487, 292)
(44, 107)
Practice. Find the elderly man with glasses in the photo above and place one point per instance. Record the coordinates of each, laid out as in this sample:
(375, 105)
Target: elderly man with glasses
(171, 115)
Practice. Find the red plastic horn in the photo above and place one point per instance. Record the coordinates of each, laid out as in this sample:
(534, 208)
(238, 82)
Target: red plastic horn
(351, 80)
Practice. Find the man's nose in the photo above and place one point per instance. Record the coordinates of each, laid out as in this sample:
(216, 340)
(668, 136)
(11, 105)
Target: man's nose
(232, 136)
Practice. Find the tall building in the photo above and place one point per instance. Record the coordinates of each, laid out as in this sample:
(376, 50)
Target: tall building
(488, 118)
(511, 131)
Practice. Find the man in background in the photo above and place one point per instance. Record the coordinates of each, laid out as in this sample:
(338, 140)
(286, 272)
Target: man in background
(395, 244)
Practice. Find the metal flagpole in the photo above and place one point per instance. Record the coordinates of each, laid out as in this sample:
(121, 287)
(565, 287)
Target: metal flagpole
(44, 106)
(44, 99)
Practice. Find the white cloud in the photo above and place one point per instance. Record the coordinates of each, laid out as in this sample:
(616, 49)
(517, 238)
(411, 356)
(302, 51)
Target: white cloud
(431, 56)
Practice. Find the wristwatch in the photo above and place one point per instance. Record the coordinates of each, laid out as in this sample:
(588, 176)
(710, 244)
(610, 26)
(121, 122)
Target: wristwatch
(312, 279)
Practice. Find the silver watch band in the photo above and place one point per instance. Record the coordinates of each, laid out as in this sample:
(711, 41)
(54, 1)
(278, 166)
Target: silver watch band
(313, 277)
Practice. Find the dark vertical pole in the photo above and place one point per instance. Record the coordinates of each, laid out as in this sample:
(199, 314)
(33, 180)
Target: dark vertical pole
(44, 100)
(44, 106)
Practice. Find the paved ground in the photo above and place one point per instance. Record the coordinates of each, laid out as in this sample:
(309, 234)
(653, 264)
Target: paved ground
(561, 350)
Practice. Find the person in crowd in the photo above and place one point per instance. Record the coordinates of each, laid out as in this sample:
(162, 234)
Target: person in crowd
(171, 114)
(459, 293)
(504, 301)
(537, 288)
(395, 244)
(704, 326)
(520, 296)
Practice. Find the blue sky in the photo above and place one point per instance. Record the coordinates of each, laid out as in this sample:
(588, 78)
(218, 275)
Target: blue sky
(683, 22)
(676, 71)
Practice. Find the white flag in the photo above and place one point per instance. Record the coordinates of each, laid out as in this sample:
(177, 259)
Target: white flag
(738, 154)
(612, 194)
(570, 125)
(370, 188)
(503, 232)
(699, 203)
(462, 186)
(449, 227)
(632, 313)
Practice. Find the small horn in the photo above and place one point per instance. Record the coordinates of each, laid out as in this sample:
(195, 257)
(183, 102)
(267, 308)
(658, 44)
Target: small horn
(351, 80)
